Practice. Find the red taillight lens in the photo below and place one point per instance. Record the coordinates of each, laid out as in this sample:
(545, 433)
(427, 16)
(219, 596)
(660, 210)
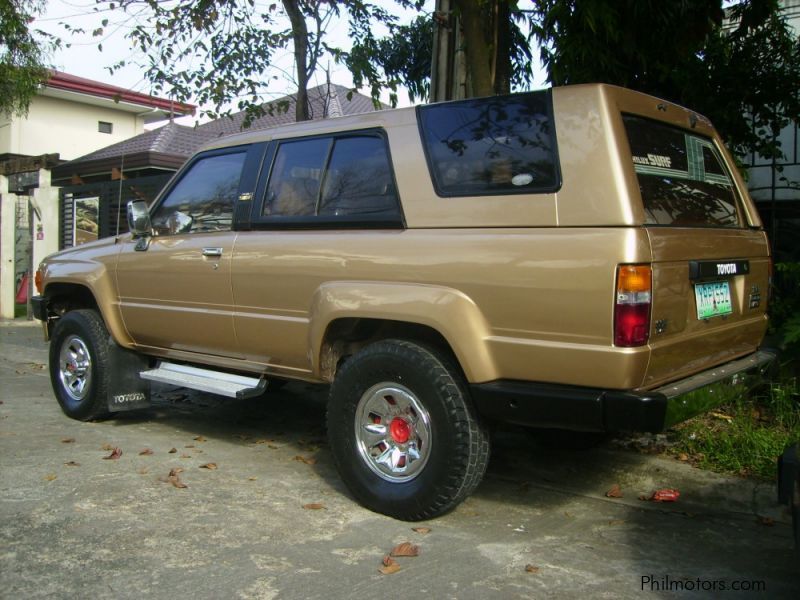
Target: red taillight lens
(37, 280)
(632, 309)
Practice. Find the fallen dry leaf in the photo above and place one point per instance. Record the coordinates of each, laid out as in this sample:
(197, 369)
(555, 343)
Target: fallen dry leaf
(175, 479)
(766, 521)
(72, 463)
(614, 492)
(142, 471)
(721, 416)
(306, 460)
(209, 466)
(199, 438)
(145, 452)
(115, 454)
(176, 482)
(189, 446)
(422, 530)
(252, 478)
(390, 566)
(107, 447)
(405, 549)
(665, 495)
(186, 456)
(615, 522)
(67, 440)
(683, 457)
(272, 446)
(314, 506)
(531, 569)
(173, 450)
(50, 477)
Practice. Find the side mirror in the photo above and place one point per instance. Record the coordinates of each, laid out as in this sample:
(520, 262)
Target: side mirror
(139, 219)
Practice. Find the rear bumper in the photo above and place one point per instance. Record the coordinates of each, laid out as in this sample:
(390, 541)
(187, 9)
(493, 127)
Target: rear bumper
(587, 409)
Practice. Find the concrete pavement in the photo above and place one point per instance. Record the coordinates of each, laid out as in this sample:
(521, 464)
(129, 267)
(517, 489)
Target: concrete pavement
(75, 525)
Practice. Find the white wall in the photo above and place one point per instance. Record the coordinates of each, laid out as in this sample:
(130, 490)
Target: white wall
(69, 128)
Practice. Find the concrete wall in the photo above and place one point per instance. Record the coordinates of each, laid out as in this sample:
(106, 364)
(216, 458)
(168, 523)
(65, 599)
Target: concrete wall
(45, 200)
(8, 205)
(67, 127)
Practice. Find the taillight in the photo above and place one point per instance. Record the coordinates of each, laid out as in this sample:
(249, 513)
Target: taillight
(37, 281)
(632, 309)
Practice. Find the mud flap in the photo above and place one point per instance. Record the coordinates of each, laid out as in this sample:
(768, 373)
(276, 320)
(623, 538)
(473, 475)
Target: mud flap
(126, 390)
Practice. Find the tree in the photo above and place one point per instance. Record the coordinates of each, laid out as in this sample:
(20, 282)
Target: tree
(22, 57)
(218, 52)
(744, 76)
(478, 43)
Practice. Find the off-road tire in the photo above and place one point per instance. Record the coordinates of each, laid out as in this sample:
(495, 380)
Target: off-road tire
(83, 335)
(458, 451)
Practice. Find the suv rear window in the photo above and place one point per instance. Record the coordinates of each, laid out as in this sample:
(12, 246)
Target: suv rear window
(682, 178)
(496, 145)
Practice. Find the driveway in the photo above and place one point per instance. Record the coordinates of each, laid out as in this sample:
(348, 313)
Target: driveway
(264, 515)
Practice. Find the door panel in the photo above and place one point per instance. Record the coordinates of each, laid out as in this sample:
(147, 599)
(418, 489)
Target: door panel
(177, 293)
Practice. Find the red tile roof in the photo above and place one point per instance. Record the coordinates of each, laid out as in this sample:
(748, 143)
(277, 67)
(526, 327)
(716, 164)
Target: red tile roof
(72, 83)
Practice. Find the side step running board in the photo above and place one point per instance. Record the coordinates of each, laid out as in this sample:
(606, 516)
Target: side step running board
(206, 380)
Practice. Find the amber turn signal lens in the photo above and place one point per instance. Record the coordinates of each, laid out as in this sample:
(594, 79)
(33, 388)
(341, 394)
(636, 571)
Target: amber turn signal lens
(37, 281)
(634, 278)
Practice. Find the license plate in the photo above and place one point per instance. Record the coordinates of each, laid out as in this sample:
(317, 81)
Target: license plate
(713, 299)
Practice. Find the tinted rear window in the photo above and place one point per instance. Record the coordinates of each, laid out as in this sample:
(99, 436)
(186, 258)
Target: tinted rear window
(497, 145)
(682, 178)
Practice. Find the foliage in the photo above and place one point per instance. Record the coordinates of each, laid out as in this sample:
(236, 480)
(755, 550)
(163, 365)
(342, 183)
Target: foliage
(747, 436)
(745, 79)
(22, 56)
(404, 56)
(218, 52)
(784, 309)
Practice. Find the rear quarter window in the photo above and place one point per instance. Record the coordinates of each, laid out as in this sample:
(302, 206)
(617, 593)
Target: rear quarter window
(488, 146)
(682, 178)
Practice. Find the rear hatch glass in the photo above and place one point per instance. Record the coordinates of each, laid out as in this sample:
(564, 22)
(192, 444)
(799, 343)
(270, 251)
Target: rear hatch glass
(682, 178)
(710, 271)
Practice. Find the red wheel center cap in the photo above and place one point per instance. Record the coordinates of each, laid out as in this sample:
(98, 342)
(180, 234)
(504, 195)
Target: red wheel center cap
(400, 430)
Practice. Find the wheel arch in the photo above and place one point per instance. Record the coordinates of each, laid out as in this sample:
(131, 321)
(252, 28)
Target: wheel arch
(64, 296)
(346, 316)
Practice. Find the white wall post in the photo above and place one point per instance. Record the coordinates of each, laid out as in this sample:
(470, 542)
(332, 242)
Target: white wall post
(45, 224)
(8, 217)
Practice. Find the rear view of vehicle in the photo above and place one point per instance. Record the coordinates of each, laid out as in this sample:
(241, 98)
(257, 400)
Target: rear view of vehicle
(710, 264)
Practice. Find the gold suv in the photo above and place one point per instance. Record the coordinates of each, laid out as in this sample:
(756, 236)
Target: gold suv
(583, 258)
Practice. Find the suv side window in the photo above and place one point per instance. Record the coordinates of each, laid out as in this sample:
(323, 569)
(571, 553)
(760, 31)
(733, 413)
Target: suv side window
(491, 146)
(329, 179)
(203, 198)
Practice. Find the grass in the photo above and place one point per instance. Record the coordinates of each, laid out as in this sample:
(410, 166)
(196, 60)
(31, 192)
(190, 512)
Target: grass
(745, 437)
(20, 310)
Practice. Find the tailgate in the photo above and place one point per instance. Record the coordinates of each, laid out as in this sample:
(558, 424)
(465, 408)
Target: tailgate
(709, 298)
(710, 258)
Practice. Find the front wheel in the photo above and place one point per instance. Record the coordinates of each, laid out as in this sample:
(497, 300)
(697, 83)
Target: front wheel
(403, 432)
(79, 364)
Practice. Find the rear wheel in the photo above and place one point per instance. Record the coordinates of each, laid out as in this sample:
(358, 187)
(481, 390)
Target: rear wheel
(79, 364)
(403, 432)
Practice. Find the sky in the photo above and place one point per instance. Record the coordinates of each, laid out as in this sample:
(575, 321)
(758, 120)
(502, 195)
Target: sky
(82, 57)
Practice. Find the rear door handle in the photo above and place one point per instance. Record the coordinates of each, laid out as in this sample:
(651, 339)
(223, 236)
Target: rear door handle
(212, 251)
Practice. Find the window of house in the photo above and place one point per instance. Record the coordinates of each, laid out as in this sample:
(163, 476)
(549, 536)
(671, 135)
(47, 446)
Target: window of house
(335, 178)
(105, 127)
(203, 198)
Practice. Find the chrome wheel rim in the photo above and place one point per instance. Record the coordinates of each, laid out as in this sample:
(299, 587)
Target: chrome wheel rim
(75, 368)
(393, 432)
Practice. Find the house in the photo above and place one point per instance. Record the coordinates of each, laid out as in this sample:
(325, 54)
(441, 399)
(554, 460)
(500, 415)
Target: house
(102, 182)
(69, 117)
